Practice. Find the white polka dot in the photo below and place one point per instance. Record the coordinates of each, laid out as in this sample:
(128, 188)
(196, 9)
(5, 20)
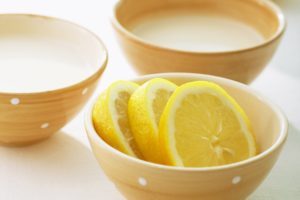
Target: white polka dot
(142, 181)
(236, 180)
(45, 125)
(15, 101)
(84, 91)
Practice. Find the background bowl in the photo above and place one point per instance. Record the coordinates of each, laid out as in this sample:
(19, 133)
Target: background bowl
(138, 179)
(29, 116)
(241, 64)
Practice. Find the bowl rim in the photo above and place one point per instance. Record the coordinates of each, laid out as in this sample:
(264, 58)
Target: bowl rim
(277, 144)
(267, 3)
(99, 69)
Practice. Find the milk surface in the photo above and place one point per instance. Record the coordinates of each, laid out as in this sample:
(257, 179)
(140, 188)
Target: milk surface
(195, 31)
(38, 64)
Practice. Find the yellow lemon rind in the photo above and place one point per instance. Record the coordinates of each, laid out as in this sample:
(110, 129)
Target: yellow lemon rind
(104, 117)
(141, 118)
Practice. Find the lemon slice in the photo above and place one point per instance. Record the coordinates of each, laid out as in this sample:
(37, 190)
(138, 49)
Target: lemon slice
(110, 117)
(203, 126)
(145, 107)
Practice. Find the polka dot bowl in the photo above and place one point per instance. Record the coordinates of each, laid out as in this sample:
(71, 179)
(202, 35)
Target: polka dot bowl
(27, 117)
(138, 179)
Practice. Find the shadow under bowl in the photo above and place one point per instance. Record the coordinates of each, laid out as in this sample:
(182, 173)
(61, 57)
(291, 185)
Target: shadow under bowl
(138, 179)
(50, 68)
(233, 39)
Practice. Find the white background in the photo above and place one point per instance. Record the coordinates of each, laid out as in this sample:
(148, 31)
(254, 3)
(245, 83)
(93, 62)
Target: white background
(63, 166)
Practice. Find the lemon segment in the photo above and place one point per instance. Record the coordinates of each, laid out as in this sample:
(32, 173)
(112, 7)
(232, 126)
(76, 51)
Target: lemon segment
(203, 126)
(145, 107)
(110, 117)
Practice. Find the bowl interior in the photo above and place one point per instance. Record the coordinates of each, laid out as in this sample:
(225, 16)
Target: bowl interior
(201, 25)
(268, 122)
(45, 53)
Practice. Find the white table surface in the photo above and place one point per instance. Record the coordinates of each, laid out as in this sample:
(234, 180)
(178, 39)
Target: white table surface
(63, 166)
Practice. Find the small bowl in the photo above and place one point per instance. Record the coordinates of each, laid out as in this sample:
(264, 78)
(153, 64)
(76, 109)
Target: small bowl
(138, 179)
(49, 69)
(233, 39)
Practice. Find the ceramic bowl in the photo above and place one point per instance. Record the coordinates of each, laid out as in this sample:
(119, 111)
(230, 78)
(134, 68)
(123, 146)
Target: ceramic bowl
(233, 39)
(138, 179)
(49, 69)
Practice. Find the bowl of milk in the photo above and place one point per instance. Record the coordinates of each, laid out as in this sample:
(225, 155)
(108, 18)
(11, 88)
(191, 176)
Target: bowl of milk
(49, 69)
(233, 39)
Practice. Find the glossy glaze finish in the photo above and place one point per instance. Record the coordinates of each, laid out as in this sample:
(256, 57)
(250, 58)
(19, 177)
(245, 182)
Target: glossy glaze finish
(137, 179)
(29, 117)
(243, 65)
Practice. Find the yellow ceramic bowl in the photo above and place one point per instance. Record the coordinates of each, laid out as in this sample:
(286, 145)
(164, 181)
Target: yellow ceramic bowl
(233, 38)
(35, 100)
(138, 179)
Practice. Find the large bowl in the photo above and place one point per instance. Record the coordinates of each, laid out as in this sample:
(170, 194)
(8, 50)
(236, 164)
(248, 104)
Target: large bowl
(241, 63)
(138, 179)
(32, 114)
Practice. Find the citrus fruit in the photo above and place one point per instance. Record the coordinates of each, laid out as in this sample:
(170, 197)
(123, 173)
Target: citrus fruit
(202, 126)
(144, 108)
(110, 117)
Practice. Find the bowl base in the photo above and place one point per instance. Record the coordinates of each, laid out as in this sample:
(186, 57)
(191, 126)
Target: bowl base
(22, 143)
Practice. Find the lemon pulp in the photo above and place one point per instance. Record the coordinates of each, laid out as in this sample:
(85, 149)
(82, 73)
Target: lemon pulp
(203, 126)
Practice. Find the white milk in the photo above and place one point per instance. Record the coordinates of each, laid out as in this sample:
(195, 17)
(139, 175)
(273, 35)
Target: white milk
(34, 65)
(195, 31)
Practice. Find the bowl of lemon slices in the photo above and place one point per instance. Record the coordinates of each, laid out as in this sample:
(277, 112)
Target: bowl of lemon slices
(179, 136)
